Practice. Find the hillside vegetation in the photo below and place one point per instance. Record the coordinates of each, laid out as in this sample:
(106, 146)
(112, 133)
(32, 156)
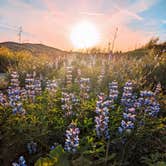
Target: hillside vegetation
(146, 65)
(35, 49)
(83, 109)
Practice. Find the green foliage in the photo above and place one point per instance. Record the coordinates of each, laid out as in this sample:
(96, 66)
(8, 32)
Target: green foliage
(46, 124)
(56, 157)
(157, 159)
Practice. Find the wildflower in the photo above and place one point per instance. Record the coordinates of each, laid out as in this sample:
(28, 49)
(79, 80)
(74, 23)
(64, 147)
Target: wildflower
(52, 147)
(51, 85)
(29, 86)
(14, 79)
(102, 73)
(77, 80)
(84, 88)
(32, 147)
(69, 75)
(153, 109)
(19, 109)
(69, 100)
(37, 86)
(130, 103)
(127, 94)
(14, 94)
(102, 118)
(72, 139)
(158, 89)
(149, 103)
(21, 162)
(113, 90)
(3, 99)
(126, 125)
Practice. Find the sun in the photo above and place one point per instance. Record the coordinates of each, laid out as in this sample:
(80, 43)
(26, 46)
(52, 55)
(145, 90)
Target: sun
(84, 35)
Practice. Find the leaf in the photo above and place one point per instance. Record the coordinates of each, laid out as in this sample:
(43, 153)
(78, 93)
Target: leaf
(82, 161)
(60, 155)
(56, 157)
(112, 156)
(58, 152)
(44, 162)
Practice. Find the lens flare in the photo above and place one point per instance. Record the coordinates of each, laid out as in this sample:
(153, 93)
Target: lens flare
(84, 35)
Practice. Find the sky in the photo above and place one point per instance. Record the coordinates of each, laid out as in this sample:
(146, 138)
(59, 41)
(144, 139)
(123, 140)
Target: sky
(50, 22)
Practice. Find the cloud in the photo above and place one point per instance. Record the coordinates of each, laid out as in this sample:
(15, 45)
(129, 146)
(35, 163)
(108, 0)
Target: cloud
(92, 14)
(132, 14)
(163, 21)
(127, 14)
(51, 21)
(142, 5)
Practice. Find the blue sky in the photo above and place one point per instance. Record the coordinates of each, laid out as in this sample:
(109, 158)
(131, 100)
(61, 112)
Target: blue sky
(154, 19)
(51, 21)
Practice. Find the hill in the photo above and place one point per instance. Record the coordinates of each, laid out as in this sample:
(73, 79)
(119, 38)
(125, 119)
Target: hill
(34, 49)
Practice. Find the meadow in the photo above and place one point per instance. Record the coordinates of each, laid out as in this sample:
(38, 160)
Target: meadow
(83, 109)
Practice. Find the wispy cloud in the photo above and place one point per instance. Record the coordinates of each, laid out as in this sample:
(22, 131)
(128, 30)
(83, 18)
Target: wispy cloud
(126, 13)
(163, 21)
(92, 13)
(142, 5)
(51, 21)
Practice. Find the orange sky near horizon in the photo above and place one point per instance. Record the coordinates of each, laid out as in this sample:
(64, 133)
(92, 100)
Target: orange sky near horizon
(51, 22)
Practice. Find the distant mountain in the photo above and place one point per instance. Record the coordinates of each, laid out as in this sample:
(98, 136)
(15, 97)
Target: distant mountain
(35, 49)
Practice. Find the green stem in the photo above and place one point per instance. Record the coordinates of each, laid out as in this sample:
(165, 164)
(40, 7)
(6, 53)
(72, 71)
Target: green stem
(107, 152)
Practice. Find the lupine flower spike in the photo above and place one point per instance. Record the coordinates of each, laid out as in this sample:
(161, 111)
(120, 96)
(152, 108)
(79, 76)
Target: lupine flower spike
(29, 86)
(14, 95)
(84, 88)
(69, 75)
(72, 139)
(149, 103)
(102, 117)
(129, 102)
(21, 162)
(68, 101)
(51, 85)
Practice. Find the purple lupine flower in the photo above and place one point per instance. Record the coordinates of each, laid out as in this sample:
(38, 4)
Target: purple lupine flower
(78, 78)
(52, 147)
(69, 75)
(14, 95)
(113, 90)
(130, 103)
(21, 162)
(37, 86)
(72, 139)
(68, 101)
(126, 125)
(158, 89)
(102, 117)
(19, 109)
(84, 88)
(3, 99)
(153, 109)
(127, 94)
(30, 87)
(102, 73)
(32, 147)
(149, 103)
(51, 85)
